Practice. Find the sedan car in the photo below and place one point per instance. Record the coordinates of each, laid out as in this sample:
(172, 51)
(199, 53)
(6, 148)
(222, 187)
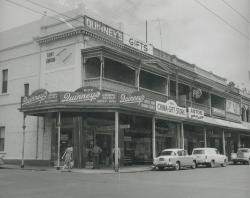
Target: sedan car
(209, 157)
(242, 156)
(174, 158)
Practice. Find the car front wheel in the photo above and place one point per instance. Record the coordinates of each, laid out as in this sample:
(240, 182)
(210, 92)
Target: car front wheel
(177, 166)
(212, 164)
(193, 166)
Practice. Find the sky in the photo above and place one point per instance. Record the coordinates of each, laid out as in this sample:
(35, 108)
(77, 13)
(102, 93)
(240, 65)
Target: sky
(212, 34)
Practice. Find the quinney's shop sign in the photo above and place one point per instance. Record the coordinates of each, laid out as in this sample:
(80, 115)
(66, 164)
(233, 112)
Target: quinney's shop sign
(86, 96)
(118, 35)
(92, 96)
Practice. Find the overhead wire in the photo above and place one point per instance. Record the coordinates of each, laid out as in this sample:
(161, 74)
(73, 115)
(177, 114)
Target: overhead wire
(37, 12)
(222, 19)
(235, 10)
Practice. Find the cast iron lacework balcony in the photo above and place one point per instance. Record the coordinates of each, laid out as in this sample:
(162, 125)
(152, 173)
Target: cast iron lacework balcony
(116, 86)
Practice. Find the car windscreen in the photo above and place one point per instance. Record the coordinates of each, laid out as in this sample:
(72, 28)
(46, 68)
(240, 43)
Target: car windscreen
(164, 153)
(198, 152)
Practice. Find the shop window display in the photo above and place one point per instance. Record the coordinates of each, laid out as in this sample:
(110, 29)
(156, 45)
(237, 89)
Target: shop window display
(166, 135)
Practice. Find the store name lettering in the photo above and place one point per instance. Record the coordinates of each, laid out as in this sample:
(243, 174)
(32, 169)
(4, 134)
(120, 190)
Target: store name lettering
(169, 109)
(195, 114)
(131, 99)
(35, 99)
(101, 27)
(68, 97)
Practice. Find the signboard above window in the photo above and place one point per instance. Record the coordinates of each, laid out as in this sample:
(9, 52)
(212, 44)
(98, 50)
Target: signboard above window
(170, 108)
(233, 107)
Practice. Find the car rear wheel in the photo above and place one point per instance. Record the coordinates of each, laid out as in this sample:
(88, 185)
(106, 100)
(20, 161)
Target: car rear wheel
(177, 166)
(193, 166)
(212, 164)
(224, 163)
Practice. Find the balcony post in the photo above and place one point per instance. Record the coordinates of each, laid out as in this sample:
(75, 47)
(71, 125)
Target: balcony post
(223, 142)
(177, 88)
(101, 72)
(83, 71)
(210, 102)
(58, 140)
(190, 96)
(116, 141)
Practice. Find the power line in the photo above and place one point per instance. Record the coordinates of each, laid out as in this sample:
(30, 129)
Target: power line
(52, 10)
(241, 15)
(35, 11)
(222, 19)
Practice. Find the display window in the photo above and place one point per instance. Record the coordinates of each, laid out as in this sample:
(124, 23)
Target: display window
(167, 135)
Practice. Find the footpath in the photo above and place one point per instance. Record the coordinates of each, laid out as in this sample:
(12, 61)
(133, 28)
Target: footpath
(126, 169)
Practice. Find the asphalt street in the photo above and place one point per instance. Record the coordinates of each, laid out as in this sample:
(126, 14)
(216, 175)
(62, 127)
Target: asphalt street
(230, 182)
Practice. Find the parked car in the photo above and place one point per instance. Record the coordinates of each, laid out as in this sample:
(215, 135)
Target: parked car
(174, 158)
(209, 157)
(242, 156)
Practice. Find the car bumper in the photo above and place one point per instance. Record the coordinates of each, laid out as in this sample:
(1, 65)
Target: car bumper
(162, 165)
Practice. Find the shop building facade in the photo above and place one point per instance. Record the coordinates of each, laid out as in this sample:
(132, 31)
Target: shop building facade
(92, 84)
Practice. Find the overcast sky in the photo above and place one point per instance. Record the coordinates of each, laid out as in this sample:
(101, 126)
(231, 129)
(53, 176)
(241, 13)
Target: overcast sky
(181, 27)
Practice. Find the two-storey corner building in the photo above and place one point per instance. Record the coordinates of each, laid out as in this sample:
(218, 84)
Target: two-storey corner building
(84, 82)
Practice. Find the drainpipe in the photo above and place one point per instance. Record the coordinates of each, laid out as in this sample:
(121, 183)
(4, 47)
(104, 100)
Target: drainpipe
(24, 127)
(182, 135)
(153, 137)
(205, 137)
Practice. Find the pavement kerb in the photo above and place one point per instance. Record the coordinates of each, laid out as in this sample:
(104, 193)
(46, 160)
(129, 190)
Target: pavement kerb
(83, 171)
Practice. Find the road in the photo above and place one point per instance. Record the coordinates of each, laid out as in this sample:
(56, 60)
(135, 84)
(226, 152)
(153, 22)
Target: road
(230, 182)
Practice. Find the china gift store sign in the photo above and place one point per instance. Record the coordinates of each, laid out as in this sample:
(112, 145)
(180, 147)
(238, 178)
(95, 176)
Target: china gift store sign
(171, 108)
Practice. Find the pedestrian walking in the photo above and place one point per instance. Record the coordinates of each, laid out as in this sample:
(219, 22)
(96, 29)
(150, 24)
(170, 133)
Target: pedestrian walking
(96, 152)
(68, 158)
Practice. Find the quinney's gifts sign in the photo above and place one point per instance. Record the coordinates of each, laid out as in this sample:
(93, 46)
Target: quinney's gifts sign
(195, 114)
(170, 108)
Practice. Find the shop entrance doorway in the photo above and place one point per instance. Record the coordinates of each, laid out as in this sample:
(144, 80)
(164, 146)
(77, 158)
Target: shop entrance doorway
(104, 141)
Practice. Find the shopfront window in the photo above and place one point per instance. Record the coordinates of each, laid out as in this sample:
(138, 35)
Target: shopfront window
(135, 139)
(98, 139)
(194, 137)
(214, 139)
(167, 135)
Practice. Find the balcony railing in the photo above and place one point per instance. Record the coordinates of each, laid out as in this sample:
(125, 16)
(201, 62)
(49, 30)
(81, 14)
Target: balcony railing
(218, 112)
(203, 107)
(233, 117)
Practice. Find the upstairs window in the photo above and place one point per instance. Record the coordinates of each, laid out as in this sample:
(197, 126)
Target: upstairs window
(2, 138)
(26, 89)
(5, 81)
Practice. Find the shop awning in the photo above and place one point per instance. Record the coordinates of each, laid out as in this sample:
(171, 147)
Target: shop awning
(225, 123)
